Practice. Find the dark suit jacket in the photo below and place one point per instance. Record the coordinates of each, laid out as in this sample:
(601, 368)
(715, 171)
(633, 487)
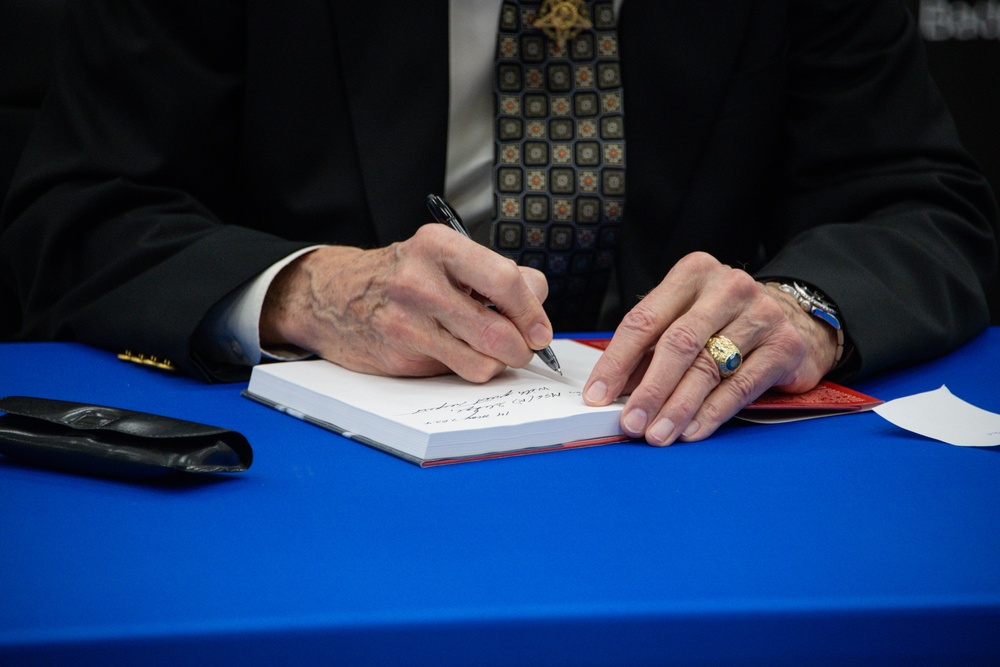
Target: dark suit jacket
(185, 146)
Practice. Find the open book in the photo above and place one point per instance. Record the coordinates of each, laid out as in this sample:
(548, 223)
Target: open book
(444, 419)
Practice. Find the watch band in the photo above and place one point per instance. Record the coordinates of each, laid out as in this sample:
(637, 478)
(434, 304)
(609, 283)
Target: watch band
(816, 304)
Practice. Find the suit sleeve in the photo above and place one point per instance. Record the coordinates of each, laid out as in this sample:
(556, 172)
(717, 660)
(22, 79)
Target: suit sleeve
(883, 210)
(122, 227)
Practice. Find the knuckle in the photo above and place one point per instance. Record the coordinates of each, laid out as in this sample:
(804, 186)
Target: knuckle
(535, 281)
(683, 408)
(741, 387)
(681, 338)
(427, 233)
(413, 246)
(432, 242)
(742, 284)
(641, 320)
(704, 365)
(697, 261)
(483, 372)
(612, 367)
(508, 272)
(495, 334)
(711, 414)
(651, 394)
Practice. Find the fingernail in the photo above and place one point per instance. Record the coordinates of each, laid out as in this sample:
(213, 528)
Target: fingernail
(691, 429)
(596, 392)
(539, 336)
(635, 422)
(660, 431)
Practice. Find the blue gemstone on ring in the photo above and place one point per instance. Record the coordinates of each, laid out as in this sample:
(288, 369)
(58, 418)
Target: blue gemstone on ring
(733, 361)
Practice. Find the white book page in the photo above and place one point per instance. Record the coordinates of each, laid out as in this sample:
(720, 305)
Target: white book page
(529, 406)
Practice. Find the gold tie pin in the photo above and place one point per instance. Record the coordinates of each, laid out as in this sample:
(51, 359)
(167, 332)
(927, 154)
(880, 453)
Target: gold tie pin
(562, 20)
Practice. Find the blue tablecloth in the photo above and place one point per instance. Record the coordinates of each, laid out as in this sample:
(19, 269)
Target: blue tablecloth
(836, 540)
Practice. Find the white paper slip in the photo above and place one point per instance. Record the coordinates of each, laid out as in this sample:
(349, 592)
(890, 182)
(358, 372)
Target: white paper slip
(941, 415)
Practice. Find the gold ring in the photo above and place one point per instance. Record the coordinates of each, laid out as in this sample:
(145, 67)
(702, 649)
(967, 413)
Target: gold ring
(725, 353)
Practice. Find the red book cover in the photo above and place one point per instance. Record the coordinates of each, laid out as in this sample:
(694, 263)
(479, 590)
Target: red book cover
(824, 400)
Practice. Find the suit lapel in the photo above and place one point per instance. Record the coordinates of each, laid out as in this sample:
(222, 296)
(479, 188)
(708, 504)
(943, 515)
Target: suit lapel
(395, 58)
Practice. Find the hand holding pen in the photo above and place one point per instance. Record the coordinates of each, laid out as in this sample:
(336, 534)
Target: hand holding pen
(445, 214)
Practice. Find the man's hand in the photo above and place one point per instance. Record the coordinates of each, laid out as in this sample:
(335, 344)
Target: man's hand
(658, 355)
(413, 308)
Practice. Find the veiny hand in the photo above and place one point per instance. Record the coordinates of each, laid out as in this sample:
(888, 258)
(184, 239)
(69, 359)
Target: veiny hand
(657, 353)
(413, 308)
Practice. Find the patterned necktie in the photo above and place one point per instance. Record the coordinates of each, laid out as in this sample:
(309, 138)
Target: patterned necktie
(559, 177)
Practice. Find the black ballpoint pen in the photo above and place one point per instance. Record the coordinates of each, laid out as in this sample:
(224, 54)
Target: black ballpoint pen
(445, 214)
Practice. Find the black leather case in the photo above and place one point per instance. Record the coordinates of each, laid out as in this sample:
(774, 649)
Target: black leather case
(104, 440)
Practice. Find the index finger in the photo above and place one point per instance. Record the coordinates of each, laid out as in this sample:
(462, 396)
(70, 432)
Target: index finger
(628, 348)
(501, 281)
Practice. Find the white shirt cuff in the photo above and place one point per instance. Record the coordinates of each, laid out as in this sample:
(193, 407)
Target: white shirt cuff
(230, 332)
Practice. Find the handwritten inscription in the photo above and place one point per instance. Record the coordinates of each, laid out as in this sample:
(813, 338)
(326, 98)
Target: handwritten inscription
(489, 407)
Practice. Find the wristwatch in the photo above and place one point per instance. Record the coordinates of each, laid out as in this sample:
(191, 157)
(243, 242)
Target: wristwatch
(818, 305)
